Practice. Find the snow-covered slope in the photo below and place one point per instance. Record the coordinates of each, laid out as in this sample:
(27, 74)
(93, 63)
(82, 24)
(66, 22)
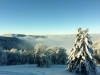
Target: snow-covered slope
(33, 70)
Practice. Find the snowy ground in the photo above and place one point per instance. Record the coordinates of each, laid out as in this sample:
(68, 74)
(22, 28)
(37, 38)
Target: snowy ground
(33, 70)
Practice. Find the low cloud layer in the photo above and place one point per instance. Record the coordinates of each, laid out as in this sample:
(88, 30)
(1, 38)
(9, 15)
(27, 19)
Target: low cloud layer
(64, 41)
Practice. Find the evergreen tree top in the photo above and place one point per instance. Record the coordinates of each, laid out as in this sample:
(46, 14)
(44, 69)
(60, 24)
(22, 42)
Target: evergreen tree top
(79, 29)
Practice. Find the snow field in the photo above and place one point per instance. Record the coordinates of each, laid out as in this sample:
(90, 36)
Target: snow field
(33, 70)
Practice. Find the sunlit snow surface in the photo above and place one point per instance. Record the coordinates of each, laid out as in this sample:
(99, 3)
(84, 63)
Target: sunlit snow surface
(33, 70)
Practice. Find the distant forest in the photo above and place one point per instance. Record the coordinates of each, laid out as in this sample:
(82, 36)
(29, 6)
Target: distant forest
(11, 53)
(14, 51)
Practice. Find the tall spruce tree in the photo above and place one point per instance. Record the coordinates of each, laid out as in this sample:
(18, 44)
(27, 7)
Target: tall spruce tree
(80, 59)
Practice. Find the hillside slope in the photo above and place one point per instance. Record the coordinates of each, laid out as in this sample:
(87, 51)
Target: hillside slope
(7, 43)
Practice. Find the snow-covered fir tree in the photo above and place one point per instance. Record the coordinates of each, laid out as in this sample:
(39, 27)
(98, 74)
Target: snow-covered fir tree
(80, 59)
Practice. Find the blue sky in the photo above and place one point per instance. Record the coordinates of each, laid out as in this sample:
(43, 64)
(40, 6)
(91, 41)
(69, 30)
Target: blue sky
(49, 17)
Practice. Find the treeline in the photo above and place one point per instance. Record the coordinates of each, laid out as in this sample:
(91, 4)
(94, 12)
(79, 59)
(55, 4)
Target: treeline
(40, 55)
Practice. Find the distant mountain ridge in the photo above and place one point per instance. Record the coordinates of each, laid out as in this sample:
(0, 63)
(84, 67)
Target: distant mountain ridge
(23, 35)
(7, 43)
